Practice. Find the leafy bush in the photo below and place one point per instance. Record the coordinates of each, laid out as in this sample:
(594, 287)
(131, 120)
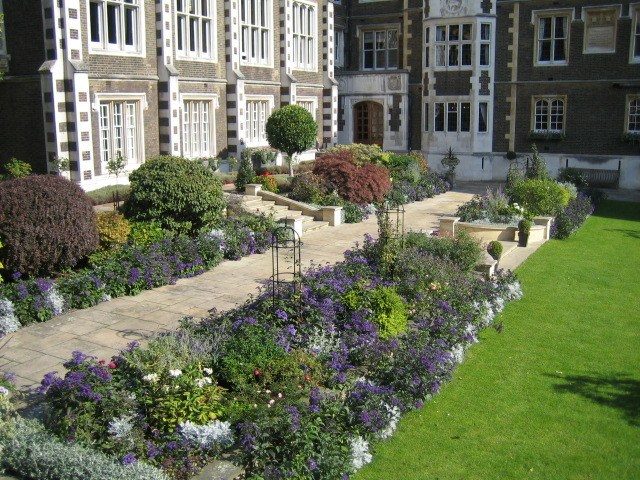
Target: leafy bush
(144, 234)
(524, 226)
(106, 194)
(450, 162)
(495, 249)
(389, 312)
(291, 129)
(541, 197)
(572, 217)
(113, 229)
(361, 154)
(47, 224)
(308, 187)
(180, 194)
(31, 452)
(268, 182)
(492, 207)
(463, 249)
(573, 175)
(246, 172)
(15, 168)
(360, 185)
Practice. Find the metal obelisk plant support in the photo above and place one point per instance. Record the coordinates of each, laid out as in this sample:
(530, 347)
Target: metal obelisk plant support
(286, 265)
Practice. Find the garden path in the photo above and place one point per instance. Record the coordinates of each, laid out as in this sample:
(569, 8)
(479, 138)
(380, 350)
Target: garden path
(108, 327)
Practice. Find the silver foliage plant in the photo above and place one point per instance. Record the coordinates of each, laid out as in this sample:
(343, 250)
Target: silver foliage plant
(8, 320)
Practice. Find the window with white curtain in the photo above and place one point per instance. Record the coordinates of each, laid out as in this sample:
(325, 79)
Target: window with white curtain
(483, 117)
(115, 25)
(452, 117)
(549, 114)
(633, 115)
(339, 48)
(552, 39)
(256, 20)
(304, 36)
(453, 45)
(485, 44)
(197, 129)
(195, 28)
(119, 130)
(256, 115)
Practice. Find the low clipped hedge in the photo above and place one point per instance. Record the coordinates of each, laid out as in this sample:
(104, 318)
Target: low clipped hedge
(540, 196)
(33, 453)
(182, 195)
(47, 225)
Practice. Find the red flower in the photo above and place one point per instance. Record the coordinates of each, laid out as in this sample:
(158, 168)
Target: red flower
(257, 372)
(112, 365)
(102, 362)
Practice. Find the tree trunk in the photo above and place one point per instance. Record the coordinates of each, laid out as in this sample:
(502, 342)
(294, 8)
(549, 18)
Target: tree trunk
(290, 160)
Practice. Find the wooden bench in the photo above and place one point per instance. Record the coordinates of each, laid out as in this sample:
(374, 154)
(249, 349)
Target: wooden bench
(600, 177)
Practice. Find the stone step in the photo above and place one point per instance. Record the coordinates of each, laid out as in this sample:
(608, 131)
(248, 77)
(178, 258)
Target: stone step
(313, 226)
(287, 214)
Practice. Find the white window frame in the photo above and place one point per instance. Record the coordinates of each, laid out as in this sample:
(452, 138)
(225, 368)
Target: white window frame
(488, 119)
(426, 48)
(536, 16)
(485, 42)
(549, 100)
(446, 45)
(260, 31)
(103, 47)
(123, 98)
(629, 113)
(309, 100)
(251, 139)
(304, 44)
(447, 104)
(184, 19)
(339, 56)
(585, 17)
(375, 30)
(634, 11)
(186, 148)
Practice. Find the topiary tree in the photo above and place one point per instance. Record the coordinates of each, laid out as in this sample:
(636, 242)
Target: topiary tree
(181, 195)
(291, 129)
(450, 162)
(47, 224)
(246, 173)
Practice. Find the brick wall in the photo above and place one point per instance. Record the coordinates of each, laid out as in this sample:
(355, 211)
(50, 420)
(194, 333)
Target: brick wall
(24, 36)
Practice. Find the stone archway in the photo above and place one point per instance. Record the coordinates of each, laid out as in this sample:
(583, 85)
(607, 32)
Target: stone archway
(368, 123)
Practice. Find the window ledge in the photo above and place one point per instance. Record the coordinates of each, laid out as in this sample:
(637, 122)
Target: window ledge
(551, 64)
(185, 58)
(117, 53)
(550, 135)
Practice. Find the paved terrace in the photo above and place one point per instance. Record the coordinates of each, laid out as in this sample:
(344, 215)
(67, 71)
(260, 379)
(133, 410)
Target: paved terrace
(108, 327)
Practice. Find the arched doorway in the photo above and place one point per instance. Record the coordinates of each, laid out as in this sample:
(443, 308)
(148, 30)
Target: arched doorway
(368, 123)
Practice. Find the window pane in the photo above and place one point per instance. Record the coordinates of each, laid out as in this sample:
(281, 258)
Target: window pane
(381, 61)
(560, 27)
(438, 115)
(204, 8)
(454, 32)
(465, 117)
(452, 117)
(466, 54)
(441, 55)
(484, 54)
(368, 41)
(193, 34)
(112, 24)
(485, 31)
(441, 35)
(544, 28)
(129, 26)
(206, 36)
(482, 117)
(453, 55)
(180, 5)
(545, 51)
(181, 32)
(466, 31)
(426, 117)
(393, 59)
(368, 59)
(94, 20)
(558, 52)
(393, 39)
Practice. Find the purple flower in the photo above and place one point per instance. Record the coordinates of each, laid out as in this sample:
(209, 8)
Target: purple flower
(282, 314)
(314, 400)
(152, 450)
(44, 285)
(312, 464)
(77, 358)
(129, 459)
(294, 418)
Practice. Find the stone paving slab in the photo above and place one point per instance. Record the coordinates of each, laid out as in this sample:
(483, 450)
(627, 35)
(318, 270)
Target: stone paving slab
(104, 329)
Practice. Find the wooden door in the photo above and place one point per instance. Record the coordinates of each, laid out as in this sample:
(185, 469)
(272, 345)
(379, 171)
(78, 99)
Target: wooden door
(368, 125)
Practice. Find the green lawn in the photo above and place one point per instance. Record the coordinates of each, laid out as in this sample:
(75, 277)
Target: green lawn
(556, 395)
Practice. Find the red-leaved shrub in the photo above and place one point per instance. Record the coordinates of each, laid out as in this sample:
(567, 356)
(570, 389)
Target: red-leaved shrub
(357, 184)
(47, 224)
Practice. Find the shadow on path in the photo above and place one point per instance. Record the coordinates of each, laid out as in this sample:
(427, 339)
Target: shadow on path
(619, 391)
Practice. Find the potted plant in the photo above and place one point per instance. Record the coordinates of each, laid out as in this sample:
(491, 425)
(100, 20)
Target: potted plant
(450, 162)
(524, 228)
(495, 250)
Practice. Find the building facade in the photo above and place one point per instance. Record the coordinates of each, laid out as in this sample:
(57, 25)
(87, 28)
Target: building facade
(88, 80)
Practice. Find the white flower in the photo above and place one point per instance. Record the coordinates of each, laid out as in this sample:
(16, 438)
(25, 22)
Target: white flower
(8, 321)
(175, 373)
(360, 455)
(151, 378)
(55, 300)
(457, 354)
(4, 391)
(208, 371)
(120, 427)
(322, 342)
(394, 418)
(201, 382)
(207, 436)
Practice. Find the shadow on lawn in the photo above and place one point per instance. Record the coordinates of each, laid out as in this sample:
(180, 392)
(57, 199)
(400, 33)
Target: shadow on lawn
(628, 232)
(616, 391)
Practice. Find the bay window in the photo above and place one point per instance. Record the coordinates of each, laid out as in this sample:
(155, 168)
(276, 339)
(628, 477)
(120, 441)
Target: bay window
(452, 117)
(120, 130)
(195, 28)
(485, 44)
(115, 25)
(380, 49)
(256, 19)
(453, 45)
(304, 36)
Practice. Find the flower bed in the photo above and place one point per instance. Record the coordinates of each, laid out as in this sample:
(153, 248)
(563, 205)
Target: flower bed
(129, 270)
(297, 385)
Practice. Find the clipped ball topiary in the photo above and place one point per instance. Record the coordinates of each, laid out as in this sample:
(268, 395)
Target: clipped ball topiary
(495, 249)
(181, 195)
(291, 129)
(47, 224)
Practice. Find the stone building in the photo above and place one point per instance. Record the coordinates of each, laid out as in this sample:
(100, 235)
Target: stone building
(89, 79)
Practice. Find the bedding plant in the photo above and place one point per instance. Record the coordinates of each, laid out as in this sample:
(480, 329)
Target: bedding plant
(297, 385)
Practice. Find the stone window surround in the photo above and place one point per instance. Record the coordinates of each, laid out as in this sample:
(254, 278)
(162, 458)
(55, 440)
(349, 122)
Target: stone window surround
(268, 63)
(312, 64)
(460, 22)
(598, 8)
(313, 100)
(270, 99)
(214, 106)
(213, 57)
(535, 99)
(634, 13)
(630, 98)
(141, 98)
(141, 50)
(569, 13)
(445, 101)
(339, 48)
(377, 27)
